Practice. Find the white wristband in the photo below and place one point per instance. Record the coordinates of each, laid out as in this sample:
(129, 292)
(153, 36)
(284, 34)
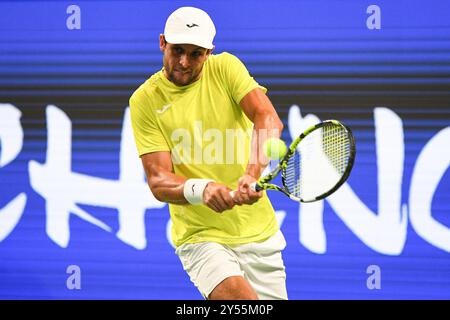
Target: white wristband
(193, 190)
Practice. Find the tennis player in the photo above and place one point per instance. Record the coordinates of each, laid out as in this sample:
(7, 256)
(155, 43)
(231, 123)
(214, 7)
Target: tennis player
(230, 246)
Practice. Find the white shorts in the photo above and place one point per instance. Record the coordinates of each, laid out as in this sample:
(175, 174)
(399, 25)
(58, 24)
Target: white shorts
(261, 264)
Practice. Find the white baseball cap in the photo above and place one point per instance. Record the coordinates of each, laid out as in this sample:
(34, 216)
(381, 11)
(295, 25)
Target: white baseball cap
(190, 25)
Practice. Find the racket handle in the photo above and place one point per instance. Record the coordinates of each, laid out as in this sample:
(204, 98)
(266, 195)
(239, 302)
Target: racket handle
(255, 187)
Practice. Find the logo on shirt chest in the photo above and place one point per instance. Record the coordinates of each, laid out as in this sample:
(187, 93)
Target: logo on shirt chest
(163, 109)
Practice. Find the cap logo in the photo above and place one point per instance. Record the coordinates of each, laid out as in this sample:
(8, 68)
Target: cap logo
(192, 25)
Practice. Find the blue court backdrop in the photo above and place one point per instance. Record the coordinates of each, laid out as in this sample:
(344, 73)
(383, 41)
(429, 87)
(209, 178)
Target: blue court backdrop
(74, 204)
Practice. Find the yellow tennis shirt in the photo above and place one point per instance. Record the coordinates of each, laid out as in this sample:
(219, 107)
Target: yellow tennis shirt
(209, 137)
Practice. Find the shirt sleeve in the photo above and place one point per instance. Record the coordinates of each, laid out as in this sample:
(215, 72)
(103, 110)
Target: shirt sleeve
(147, 134)
(239, 80)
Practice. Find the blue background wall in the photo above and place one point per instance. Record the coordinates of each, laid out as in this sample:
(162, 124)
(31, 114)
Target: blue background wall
(67, 91)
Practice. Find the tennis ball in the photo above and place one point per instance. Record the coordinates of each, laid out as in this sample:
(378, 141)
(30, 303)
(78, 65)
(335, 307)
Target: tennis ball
(274, 148)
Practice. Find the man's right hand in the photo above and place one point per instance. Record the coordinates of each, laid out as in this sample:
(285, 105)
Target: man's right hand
(217, 197)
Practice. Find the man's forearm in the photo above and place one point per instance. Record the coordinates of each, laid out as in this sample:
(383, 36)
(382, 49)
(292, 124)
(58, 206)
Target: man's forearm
(265, 126)
(166, 186)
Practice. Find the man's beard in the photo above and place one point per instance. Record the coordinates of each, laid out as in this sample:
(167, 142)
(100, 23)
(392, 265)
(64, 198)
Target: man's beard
(180, 79)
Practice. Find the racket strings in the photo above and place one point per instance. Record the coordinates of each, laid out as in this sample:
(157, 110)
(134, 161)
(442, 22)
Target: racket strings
(336, 146)
(292, 175)
(320, 161)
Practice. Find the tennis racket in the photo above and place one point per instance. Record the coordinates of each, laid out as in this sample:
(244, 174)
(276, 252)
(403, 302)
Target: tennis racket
(316, 164)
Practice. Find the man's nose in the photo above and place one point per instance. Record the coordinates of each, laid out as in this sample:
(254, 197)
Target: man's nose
(184, 61)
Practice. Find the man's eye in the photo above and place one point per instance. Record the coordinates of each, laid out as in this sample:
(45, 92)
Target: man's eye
(178, 50)
(196, 54)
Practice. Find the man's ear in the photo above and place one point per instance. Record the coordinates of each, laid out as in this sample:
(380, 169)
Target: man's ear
(162, 43)
(209, 51)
